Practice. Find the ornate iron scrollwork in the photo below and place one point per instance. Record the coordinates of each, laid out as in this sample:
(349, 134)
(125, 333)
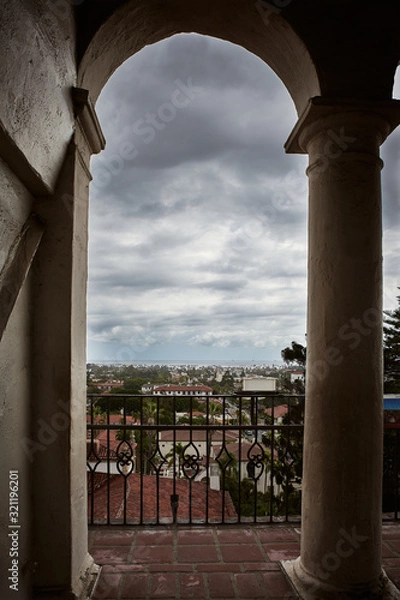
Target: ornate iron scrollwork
(125, 462)
(255, 466)
(191, 459)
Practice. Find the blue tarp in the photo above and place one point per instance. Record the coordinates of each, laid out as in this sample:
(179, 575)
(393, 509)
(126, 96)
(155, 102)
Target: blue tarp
(391, 403)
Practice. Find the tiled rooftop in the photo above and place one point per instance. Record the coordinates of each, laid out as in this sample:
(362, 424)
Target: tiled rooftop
(149, 489)
(240, 562)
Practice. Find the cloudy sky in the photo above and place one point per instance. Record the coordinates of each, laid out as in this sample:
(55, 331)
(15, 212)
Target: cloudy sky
(197, 216)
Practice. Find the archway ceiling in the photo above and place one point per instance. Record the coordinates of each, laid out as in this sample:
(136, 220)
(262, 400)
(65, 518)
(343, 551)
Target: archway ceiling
(349, 48)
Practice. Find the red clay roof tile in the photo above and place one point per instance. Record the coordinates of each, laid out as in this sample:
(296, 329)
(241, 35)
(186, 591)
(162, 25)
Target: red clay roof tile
(194, 493)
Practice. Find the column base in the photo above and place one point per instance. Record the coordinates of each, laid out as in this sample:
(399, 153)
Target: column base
(88, 579)
(83, 591)
(309, 588)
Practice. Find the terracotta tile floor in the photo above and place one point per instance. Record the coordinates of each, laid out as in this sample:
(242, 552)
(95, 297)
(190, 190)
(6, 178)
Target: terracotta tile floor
(240, 562)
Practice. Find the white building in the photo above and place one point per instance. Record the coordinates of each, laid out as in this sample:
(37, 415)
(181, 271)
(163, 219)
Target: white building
(297, 376)
(182, 390)
(259, 384)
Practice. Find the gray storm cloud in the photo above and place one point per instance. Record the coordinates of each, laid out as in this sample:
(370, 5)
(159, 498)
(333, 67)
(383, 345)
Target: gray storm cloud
(198, 219)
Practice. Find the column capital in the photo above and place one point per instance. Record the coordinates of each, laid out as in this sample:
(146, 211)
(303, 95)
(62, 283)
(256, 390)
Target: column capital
(380, 117)
(88, 121)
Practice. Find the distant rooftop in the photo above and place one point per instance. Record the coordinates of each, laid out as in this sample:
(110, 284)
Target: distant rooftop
(182, 388)
(189, 492)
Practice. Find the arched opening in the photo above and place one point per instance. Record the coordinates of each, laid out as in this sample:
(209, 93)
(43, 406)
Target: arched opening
(257, 27)
(198, 218)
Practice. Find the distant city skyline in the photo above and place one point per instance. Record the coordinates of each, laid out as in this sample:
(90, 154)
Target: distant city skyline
(198, 219)
(230, 364)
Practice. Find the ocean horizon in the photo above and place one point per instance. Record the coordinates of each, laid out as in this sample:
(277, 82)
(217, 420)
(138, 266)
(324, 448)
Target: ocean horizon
(189, 363)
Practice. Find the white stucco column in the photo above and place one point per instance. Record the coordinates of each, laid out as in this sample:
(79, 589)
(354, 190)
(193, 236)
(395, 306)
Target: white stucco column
(57, 447)
(342, 490)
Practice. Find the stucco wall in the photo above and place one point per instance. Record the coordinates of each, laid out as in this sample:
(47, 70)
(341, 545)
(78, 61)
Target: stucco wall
(37, 70)
(15, 206)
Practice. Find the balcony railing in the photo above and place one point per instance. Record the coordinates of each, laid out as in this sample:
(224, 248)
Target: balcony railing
(220, 459)
(391, 474)
(225, 459)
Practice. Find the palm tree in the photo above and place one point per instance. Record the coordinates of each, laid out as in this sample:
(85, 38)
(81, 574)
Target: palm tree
(150, 414)
(240, 418)
(214, 409)
(125, 435)
(177, 451)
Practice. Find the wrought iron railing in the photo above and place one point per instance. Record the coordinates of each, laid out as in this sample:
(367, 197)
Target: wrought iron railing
(221, 459)
(391, 474)
(185, 459)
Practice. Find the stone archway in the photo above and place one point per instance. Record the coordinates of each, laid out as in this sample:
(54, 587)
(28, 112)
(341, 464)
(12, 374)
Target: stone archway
(342, 124)
(257, 27)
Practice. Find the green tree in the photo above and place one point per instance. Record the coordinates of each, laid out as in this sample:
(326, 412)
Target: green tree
(92, 388)
(146, 439)
(115, 404)
(214, 410)
(287, 445)
(145, 445)
(132, 385)
(178, 451)
(240, 417)
(197, 420)
(391, 350)
(246, 499)
(125, 435)
(225, 386)
(295, 355)
(99, 417)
